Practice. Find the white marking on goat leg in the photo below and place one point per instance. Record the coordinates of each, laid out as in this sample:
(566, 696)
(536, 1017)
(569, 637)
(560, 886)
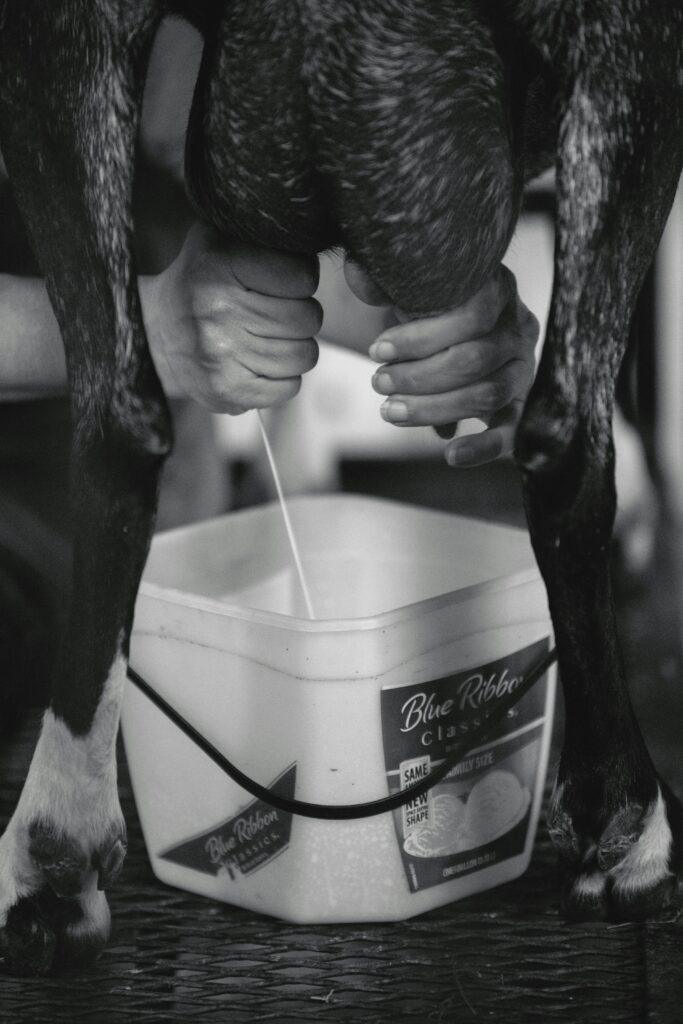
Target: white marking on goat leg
(72, 779)
(71, 786)
(590, 886)
(647, 861)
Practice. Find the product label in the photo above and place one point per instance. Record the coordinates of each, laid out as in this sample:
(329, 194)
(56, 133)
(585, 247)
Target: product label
(243, 843)
(479, 814)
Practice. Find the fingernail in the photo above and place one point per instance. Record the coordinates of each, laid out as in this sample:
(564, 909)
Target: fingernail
(461, 454)
(382, 382)
(394, 411)
(381, 351)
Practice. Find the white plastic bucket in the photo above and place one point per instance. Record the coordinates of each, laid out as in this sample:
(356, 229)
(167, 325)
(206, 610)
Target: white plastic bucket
(424, 619)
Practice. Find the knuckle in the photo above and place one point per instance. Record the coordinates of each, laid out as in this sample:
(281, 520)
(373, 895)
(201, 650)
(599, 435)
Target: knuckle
(407, 340)
(207, 302)
(493, 394)
(214, 358)
(208, 347)
(472, 362)
(405, 379)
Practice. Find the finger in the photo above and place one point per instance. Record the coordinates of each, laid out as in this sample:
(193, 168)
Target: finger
(451, 368)
(254, 393)
(277, 392)
(478, 449)
(264, 316)
(363, 287)
(278, 359)
(490, 444)
(481, 400)
(417, 339)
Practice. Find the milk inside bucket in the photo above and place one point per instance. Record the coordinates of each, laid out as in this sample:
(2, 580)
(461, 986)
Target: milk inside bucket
(425, 622)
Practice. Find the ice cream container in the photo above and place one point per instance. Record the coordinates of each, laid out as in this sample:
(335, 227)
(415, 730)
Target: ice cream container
(425, 621)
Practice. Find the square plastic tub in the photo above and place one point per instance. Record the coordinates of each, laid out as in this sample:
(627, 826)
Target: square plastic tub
(424, 620)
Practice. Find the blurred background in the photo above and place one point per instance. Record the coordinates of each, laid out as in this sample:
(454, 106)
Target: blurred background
(332, 437)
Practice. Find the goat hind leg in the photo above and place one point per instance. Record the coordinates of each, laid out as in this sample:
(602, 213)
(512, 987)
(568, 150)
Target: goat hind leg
(612, 820)
(69, 149)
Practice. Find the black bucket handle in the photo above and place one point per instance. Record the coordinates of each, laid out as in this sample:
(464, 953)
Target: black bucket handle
(346, 812)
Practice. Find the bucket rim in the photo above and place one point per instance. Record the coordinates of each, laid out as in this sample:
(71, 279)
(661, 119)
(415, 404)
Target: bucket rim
(297, 624)
(149, 591)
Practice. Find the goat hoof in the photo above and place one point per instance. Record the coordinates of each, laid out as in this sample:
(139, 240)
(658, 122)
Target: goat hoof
(641, 903)
(621, 871)
(46, 933)
(27, 942)
(54, 915)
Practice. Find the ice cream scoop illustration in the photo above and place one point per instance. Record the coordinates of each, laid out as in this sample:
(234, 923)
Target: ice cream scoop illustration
(495, 804)
(443, 836)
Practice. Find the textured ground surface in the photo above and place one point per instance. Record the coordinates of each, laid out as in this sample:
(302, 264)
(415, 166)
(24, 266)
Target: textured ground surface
(503, 956)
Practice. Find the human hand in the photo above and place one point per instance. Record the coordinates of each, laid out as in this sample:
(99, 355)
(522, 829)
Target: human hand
(232, 325)
(476, 361)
